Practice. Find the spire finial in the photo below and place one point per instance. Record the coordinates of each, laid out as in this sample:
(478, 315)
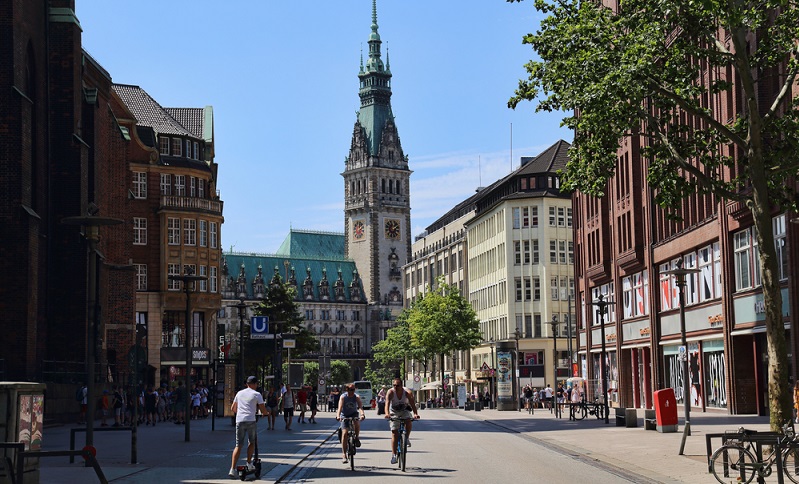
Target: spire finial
(374, 15)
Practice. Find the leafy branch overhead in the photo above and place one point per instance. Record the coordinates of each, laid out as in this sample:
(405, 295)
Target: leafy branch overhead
(647, 68)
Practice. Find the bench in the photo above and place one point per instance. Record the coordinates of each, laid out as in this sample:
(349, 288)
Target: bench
(650, 420)
(621, 416)
(626, 417)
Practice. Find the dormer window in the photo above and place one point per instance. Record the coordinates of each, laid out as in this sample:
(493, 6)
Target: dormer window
(177, 145)
(196, 151)
(188, 149)
(164, 145)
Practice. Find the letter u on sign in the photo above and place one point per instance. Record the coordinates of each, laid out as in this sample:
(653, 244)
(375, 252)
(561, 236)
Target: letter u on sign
(259, 327)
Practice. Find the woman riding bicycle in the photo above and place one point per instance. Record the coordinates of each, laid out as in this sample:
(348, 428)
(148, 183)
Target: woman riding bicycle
(399, 405)
(349, 406)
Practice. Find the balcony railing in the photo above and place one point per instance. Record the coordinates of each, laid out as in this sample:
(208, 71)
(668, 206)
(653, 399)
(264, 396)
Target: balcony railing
(191, 203)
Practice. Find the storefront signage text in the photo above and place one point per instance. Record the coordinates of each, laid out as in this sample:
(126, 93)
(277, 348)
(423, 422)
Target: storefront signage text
(715, 321)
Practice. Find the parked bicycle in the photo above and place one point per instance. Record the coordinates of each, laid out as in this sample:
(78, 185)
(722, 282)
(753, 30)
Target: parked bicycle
(735, 461)
(582, 409)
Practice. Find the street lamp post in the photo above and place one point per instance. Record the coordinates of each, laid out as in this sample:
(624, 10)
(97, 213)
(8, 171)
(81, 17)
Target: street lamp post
(555, 358)
(90, 226)
(516, 335)
(679, 273)
(493, 375)
(602, 304)
(242, 307)
(187, 277)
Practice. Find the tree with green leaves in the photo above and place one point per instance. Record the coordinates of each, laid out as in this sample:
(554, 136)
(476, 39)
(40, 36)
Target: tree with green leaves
(340, 372)
(442, 322)
(649, 69)
(280, 305)
(397, 347)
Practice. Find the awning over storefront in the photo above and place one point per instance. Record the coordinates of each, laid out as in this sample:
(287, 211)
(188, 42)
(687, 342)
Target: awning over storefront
(433, 385)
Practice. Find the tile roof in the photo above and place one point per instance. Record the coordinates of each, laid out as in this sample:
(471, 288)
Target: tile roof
(192, 119)
(148, 112)
(550, 160)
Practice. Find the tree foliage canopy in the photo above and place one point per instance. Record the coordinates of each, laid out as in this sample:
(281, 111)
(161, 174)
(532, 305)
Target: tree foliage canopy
(442, 321)
(661, 71)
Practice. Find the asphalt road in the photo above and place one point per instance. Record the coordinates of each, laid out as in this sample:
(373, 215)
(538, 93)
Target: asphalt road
(448, 445)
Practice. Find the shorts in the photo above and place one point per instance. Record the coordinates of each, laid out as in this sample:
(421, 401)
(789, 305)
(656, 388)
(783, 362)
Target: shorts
(395, 424)
(288, 412)
(303, 407)
(246, 429)
(342, 424)
(272, 410)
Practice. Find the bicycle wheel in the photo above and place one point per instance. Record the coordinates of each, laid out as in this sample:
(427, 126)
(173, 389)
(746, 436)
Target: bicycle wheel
(404, 455)
(580, 412)
(733, 464)
(351, 449)
(790, 464)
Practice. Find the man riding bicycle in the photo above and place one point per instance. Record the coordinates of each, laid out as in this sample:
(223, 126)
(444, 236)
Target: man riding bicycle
(399, 404)
(349, 406)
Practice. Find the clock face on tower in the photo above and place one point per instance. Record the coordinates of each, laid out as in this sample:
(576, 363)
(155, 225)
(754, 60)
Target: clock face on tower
(358, 230)
(392, 229)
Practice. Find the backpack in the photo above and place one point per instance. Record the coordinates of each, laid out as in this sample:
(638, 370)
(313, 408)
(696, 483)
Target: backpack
(79, 395)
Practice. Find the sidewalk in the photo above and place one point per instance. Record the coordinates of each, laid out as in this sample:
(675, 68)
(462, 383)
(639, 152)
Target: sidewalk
(164, 456)
(643, 452)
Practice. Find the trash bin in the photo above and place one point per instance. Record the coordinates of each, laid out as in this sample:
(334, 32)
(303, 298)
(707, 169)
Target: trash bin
(478, 406)
(24, 403)
(665, 410)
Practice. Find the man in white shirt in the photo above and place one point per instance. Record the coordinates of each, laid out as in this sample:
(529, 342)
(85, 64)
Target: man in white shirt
(548, 396)
(245, 405)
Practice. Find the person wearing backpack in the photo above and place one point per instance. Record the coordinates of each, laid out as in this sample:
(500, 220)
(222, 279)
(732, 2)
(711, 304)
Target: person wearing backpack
(117, 404)
(80, 397)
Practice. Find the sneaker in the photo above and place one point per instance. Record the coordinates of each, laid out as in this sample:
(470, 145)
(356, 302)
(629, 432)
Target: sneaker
(394, 458)
(250, 467)
(344, 460)
(233, 474)
(409, 443)
(357, 442)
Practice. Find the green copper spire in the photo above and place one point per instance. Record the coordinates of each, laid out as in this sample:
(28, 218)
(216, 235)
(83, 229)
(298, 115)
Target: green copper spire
(375, 91)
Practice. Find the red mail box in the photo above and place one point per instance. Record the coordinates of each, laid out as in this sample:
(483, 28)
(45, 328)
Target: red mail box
(666, 410)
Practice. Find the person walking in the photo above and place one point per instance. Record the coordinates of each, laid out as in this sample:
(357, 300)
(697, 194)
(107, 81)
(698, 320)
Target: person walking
(245, 405)
(83, 393)
(272, 398)
(302, 402)
(150, 406)
(313, 401)
(381, 400)
(104, 405)
(288, 407)
(117, 404)
(180, 404)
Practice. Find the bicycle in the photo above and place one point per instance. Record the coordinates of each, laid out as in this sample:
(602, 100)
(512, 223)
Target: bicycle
(402, 442)
(735, 462)
(582, 409)
(351, 447)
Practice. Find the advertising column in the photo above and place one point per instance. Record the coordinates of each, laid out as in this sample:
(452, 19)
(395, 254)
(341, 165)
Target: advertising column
(506, 371)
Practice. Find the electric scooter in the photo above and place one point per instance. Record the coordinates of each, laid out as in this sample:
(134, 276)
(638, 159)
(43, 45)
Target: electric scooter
(256, 461)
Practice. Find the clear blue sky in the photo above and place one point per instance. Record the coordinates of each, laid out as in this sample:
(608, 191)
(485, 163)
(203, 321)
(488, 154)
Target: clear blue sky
(282, 79)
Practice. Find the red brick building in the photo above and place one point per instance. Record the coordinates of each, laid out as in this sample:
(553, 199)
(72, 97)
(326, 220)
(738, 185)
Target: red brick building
(62, 154)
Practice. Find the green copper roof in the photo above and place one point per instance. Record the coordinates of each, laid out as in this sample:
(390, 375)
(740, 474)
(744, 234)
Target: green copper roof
(307, 243)
(375, 90)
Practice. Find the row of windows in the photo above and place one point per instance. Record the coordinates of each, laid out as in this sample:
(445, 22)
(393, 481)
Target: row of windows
(526, 252)
(435, 267)
(747, 255)
(527, 217)
(195, 187)
(532, 326)
(635, 294)
(175, 147)
(495, 329)
(324, 315)
(487, 263)
(208, 232)
(486, 229)
(489, 296)
(541, 181)
(209, 285)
